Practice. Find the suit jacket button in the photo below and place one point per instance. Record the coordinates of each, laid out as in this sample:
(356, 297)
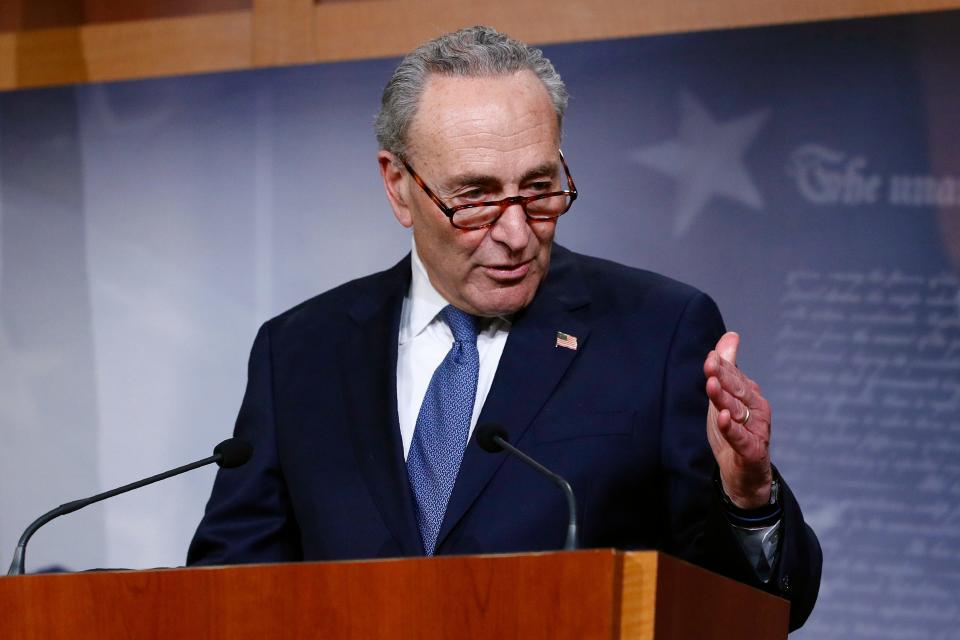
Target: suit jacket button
(785, 583)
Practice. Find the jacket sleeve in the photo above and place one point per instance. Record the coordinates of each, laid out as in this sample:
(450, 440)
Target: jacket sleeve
(248, 517)
(697, 529)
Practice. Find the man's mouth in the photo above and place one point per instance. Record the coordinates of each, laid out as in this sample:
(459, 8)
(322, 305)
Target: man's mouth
(508, 272)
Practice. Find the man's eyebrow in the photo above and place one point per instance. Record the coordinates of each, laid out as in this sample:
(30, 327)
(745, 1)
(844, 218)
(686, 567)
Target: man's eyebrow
(484, 180)
(475, 179)
(545, 169)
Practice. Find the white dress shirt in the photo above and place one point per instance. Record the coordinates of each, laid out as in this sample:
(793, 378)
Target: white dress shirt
(425, 340)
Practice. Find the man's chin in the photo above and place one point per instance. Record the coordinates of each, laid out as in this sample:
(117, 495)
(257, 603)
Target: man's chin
(503, 301)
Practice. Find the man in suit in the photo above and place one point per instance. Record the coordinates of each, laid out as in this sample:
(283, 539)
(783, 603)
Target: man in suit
(361, 402)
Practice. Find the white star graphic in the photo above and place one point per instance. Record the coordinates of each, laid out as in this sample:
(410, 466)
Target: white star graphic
(706, 159)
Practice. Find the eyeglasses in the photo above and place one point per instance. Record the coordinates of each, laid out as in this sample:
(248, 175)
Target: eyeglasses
(478, 215)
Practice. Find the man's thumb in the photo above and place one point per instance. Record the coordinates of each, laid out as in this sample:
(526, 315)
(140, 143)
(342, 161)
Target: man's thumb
(727, 346)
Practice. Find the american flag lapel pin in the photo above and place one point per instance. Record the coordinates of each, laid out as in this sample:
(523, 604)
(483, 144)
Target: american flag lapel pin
(566, 341)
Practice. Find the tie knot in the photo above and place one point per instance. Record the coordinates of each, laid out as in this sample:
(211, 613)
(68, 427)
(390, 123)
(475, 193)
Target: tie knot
(463, 325)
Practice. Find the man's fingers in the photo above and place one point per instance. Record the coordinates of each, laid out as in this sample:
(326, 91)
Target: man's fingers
(724, 400)
(739, 414)
(734, 382)
(731, 380)
(734, 433)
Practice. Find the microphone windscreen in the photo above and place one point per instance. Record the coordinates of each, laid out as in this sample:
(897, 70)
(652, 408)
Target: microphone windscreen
(233, 453)
(485, 436)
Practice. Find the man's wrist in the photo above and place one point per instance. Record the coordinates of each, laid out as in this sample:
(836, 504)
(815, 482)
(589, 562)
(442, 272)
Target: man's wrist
(763, 516)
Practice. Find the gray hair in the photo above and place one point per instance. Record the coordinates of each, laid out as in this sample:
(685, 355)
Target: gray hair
(471, 52)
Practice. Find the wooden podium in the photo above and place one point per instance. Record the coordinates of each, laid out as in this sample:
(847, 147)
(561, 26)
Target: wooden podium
(582, 594)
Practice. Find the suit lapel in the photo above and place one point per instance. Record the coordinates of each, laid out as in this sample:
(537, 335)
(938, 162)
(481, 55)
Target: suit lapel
(530, 368)
(368, 365)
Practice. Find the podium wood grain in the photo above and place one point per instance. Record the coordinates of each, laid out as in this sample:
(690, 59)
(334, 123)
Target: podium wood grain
(584, 594)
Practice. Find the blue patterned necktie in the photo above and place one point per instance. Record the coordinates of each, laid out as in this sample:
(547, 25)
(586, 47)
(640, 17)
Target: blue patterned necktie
(442, 426)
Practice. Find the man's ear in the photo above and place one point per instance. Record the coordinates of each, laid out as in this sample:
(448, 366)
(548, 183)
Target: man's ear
(396, 187)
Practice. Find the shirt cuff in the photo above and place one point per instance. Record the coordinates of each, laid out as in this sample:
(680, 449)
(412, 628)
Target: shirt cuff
(761, 546)
(757, 530)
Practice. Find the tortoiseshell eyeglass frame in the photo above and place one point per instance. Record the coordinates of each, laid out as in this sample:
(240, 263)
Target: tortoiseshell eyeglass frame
(523, 201)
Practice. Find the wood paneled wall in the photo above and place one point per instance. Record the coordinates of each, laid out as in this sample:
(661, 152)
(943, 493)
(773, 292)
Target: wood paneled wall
(50, 42)
(24, 15)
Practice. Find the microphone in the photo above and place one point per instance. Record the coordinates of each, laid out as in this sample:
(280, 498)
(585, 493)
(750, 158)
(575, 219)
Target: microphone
(492, 438)
(228, 454)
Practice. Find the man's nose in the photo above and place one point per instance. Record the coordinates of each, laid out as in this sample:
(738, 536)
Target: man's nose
(512, 228)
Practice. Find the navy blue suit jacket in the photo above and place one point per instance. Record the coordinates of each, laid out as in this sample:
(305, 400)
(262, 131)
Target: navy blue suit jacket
(622, 417)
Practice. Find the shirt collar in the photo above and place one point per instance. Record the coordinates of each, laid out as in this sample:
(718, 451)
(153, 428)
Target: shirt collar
(423, 302)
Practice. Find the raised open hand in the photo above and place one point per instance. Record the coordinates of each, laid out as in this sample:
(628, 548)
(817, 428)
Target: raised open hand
(738, 427)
